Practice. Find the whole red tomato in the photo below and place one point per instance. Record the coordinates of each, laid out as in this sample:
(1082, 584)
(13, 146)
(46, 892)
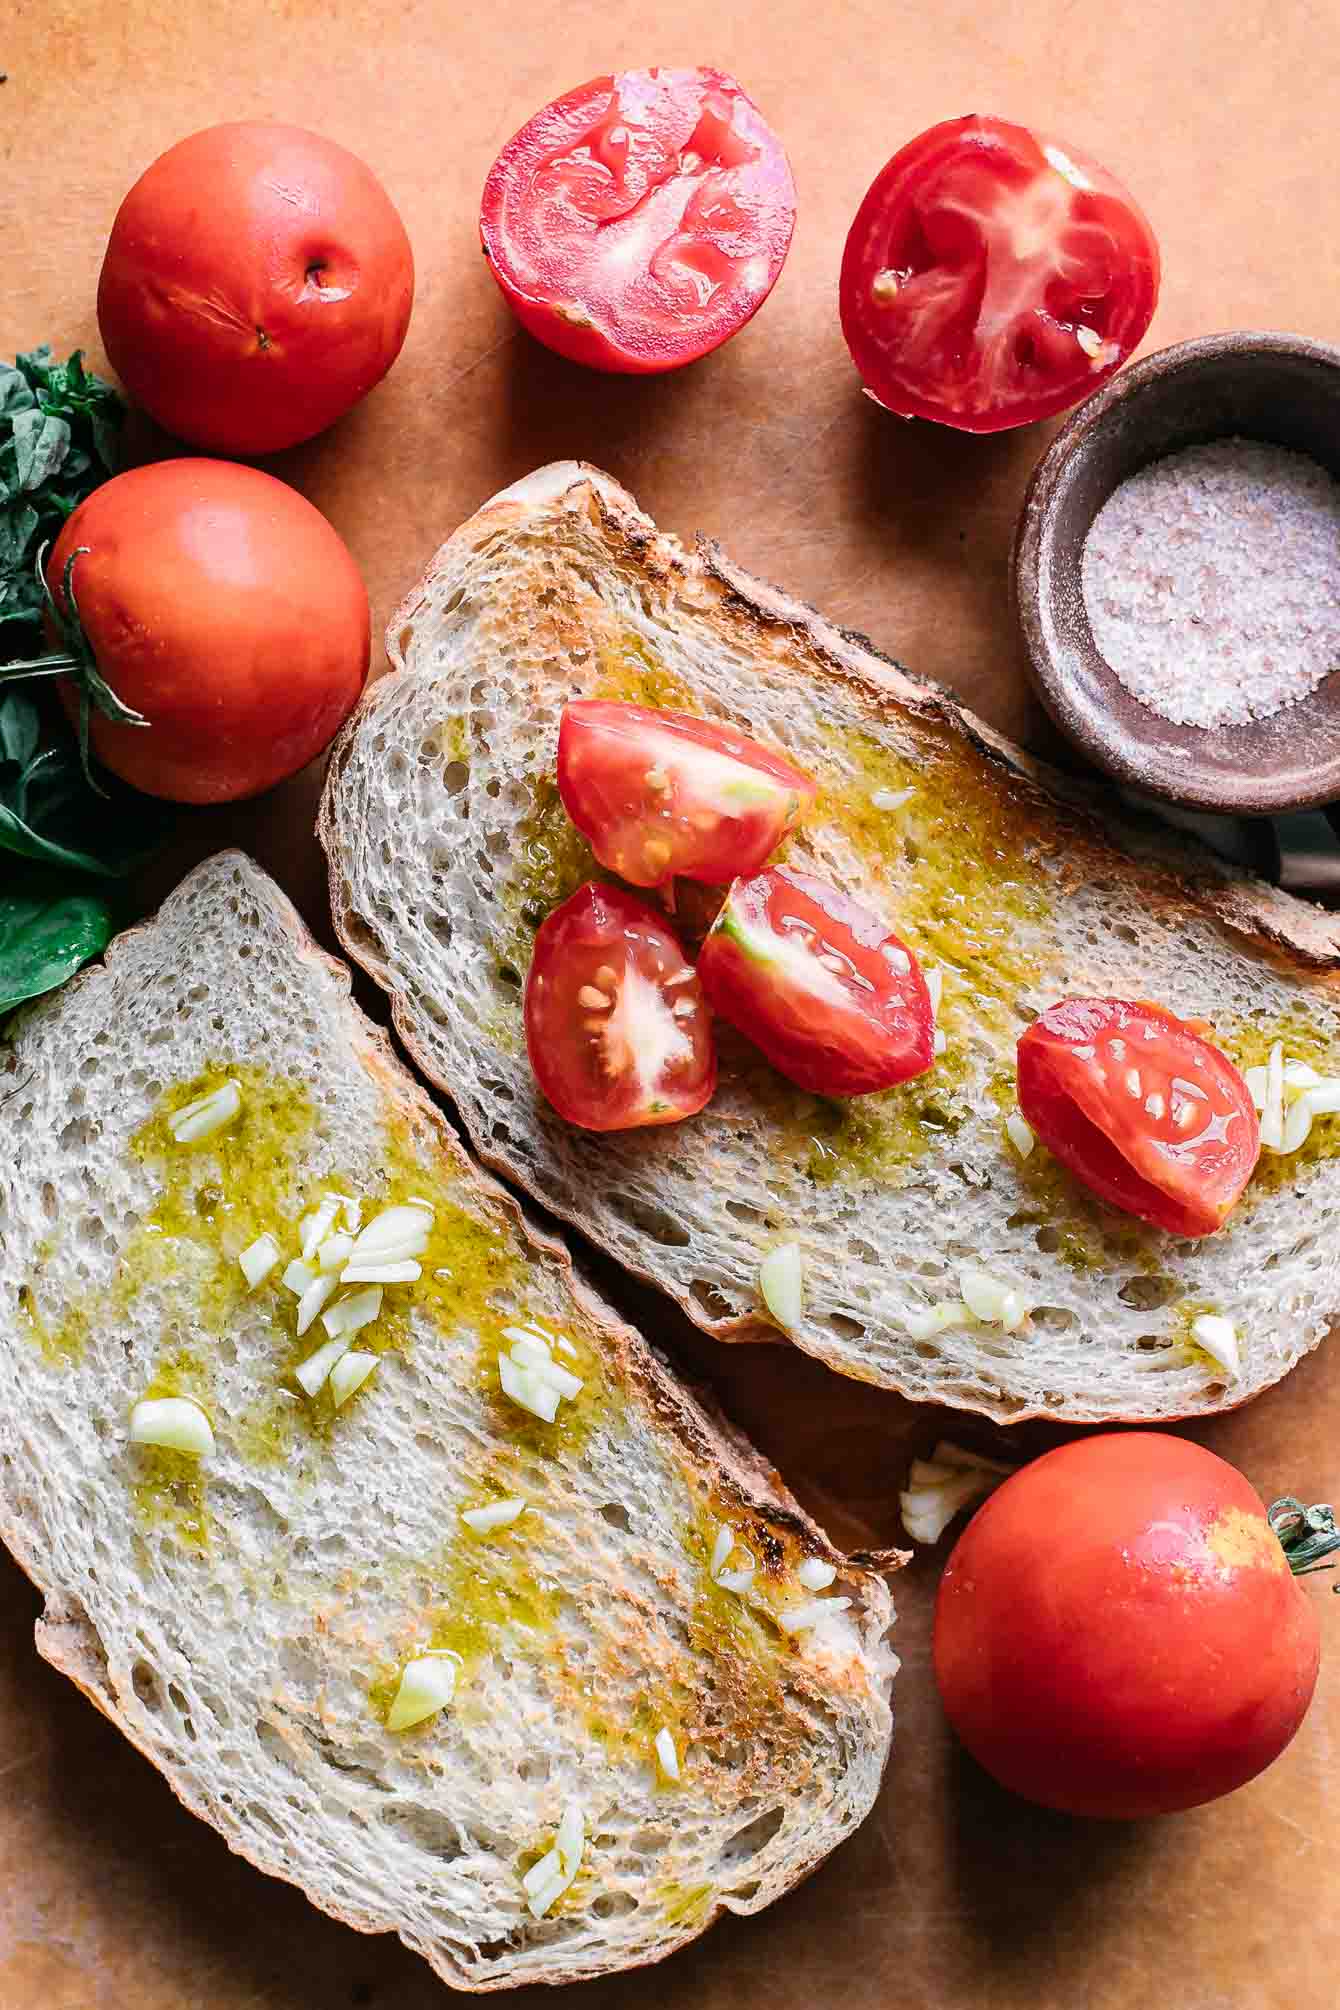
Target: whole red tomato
(220, 605)
(1118, 1632)
(257, 283)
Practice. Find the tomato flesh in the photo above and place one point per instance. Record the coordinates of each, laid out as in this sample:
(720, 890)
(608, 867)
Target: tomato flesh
(993, 277)
(1143, 1109)
(1117, 1632)
(836, 1002)
(640, 220)
(617, 1029)
(661, 794)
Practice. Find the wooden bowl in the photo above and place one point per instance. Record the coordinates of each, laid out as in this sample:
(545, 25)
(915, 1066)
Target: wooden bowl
(1282, 388)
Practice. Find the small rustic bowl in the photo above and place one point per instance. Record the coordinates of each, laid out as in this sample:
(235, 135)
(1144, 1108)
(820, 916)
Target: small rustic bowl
(1282, 388)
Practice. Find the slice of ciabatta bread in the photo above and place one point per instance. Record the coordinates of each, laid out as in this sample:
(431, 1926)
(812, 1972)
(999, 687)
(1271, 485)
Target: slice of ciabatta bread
(245, 1618)
(447, 845)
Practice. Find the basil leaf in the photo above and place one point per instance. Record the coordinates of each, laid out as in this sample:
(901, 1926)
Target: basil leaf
(15, 391)
(41, 443)
(49, 814)
(20, 728)
(18, 521)
(46, 932)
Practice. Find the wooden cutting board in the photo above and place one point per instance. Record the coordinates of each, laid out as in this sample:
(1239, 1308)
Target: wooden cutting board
(953, 1896)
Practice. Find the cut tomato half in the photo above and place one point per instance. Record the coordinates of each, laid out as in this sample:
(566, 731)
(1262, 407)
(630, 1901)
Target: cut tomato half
(661, 794)
(836, 1002)
(617, 1029)
(1151, 1116)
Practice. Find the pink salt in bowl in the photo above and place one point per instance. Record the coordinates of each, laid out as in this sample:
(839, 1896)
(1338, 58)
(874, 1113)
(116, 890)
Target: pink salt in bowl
(1274, 388)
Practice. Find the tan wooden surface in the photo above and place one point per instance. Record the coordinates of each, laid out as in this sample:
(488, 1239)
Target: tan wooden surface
(954, 1896)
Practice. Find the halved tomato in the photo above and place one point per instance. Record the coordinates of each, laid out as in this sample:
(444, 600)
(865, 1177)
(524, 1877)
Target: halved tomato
(836, 1002)
(661, 793)
(993, 277)
(641, 220)
(616, 1025)
(1142, 1108)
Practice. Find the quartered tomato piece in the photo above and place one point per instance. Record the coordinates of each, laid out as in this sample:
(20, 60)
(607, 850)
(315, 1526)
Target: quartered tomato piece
(1139, 1106)
(837, 1003)
(993, 277)
(616, 1026)
(639, 221)
(660, 793)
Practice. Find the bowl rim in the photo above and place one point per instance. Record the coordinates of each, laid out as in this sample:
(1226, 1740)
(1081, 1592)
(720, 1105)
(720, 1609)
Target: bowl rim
(1096, 735)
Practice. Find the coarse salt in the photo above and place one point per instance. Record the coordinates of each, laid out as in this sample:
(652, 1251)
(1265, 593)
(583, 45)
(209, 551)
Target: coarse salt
(1212, 581)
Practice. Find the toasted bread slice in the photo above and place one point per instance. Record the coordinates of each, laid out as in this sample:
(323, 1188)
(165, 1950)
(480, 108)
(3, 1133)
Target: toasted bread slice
(246, 1618)
(447, 844)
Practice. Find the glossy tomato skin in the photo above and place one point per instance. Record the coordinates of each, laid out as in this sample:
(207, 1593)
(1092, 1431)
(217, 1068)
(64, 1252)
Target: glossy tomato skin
(639, 221)
(847, 1027)
(1117, 1632)
(617, 1028)
(993, 277)
(1142, 1108)
(662, 794)
(220, 604)
(257, 283)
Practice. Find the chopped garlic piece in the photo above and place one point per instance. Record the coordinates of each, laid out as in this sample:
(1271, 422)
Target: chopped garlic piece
(314, 1228)
(891, 799)
(782, 1284)
(314, 1299)
(427, 1685)
(1219, 1338)
(815, 1574)
(258, 1259)
(1297, 1124)
(205, 1115)
(547, 1880)
(722, 1547)
(804, 1618)
(739, 1580)
(173, 1422)
(1020, 1133)
(565, 1346)
(939, 1041)
(530, 1353)
(353, 1212)
(666, 1755)
(299, 1277)
(313, 1372)
(989, 1299)
(498, 1514)
(395, 1235)
(1272, 1107)
(335, 1252)
(350, 1372)
(408, 1272)
(932, 1319)
(935, 985)
(351, 1314)
(941, 1487)
(524, 1386)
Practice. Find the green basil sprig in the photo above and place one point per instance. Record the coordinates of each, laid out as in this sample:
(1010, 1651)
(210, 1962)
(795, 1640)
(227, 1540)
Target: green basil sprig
(59, 436)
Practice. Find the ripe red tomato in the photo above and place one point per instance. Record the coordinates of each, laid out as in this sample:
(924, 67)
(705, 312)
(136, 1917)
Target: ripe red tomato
(1118, 1633)
(660, 794)
(1140, 1107)
(993, 277)
(257, 283)
(638, 222)
(836, 1002)
(616, 1026)
(221, 605)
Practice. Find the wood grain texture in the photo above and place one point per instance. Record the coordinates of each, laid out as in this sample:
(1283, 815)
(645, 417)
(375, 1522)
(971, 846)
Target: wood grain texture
(953, 1897)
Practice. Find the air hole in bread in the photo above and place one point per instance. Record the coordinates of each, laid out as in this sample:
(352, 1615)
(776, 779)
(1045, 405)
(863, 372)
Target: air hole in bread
(744, 1892)
(614, 1904)
(742, 1211)
(432, 1833)
(439, 925)
(1048, 1239)
(534, 1770)
(754, 1836)
(651, 1220)
(926, 1351)
(1148, 1294)
(1053, 1318)
(454, 777)
(847, 1329)
(615, 1513)
(144, 1681)
(709, 1299)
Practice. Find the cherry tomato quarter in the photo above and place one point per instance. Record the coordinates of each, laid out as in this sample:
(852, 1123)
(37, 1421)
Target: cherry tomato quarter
(219, 604)
(637, 222)
(617, 1029)
(1142, 1108)
(660, 794)
(1117, 1632)
(257, 283)
(993, 277)
(834, 1000)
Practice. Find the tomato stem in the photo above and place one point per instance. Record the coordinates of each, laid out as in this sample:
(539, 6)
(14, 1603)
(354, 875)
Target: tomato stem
(75, 660)
(1306, 1534)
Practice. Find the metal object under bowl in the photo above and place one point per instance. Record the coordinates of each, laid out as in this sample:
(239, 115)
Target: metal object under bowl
(1281, 388)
